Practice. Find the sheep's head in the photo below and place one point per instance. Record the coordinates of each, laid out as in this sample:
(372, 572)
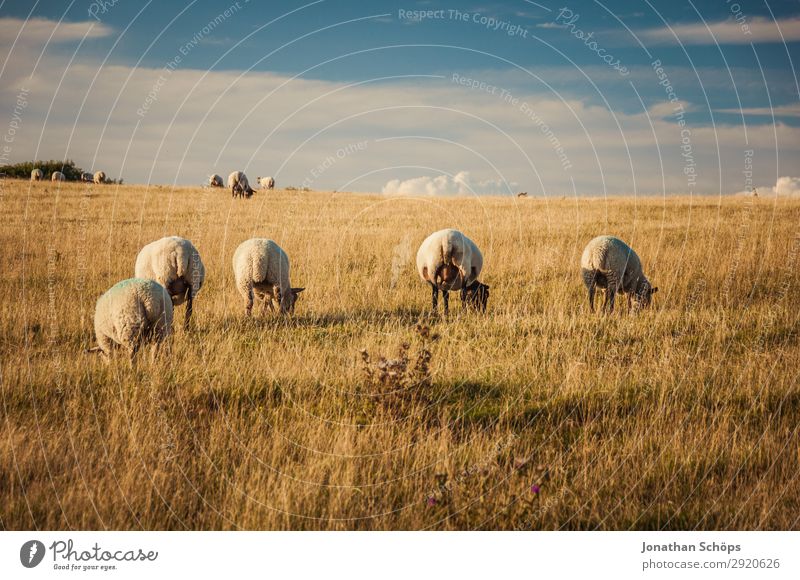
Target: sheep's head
(289, 300)
(643, 296)
(477, 296)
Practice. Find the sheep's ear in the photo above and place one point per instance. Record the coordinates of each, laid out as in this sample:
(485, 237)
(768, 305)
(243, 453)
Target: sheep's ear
(297, 290)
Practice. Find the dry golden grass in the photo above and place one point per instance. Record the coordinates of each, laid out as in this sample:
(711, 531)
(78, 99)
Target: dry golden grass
(685, 416)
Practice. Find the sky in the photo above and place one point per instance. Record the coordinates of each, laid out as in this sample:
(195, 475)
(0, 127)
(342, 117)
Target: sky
(411, 98)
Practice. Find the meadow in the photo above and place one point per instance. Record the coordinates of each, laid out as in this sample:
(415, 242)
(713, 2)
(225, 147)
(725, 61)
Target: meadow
(536, 415)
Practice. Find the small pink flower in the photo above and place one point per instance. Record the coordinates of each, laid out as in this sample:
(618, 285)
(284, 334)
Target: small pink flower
(431, 501)
(535, 488)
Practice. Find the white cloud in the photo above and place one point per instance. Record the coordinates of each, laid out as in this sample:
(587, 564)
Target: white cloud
(667, 109)
(459, 184)
(755, 30)
(37, 31)
(781, 111)
(784, 187)
(789, 186)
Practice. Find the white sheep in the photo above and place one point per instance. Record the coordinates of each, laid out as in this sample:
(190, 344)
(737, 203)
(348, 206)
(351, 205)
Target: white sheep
(238, 184)
(99, 177)
(37, 175)
(174, 263)
(131, 313)
(266, 182)
(448, 260)
(215, 180)
(57, 176)
(261, 267)
(610, 264)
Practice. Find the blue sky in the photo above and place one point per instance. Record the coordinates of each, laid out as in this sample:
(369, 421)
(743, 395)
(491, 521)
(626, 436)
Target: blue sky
(282, 88)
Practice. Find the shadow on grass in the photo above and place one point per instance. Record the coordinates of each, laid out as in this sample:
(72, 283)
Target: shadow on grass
(272, 320)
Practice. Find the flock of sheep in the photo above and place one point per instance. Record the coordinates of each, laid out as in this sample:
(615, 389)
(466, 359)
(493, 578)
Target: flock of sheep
(96, 177)
(169, 272)
(237, 181)
(239, 185)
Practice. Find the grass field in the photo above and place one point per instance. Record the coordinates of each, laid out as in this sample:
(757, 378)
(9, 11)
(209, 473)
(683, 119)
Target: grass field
(536, 415)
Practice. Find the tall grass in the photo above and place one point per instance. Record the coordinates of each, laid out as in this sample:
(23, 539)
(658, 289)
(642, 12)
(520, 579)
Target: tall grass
(537, 415)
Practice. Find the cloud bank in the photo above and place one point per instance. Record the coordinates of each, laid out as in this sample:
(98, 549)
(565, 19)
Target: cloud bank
(755, 30)
(161, 125)
(459, 184)
(787, 186)
(784, 187)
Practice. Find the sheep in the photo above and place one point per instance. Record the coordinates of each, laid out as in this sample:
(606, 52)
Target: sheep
(215, 180)
(261, 267)
(266, 182)
(99, 177)
(37, 175)
(87, 177)
(609, 263)
(130, 313)
(174, 263)
(240, 187)
(448, 260)
(57, 176)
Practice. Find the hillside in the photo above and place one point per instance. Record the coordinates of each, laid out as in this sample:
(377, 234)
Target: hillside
(535, 415)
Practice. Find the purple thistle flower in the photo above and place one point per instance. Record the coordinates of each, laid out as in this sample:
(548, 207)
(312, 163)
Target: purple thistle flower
(431, 501)
(535, 488)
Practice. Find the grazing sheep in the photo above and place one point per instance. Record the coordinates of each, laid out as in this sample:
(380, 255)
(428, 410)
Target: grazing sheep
(261, 267)
(215, 180)
(58, 176)
(130, 313)
(87, 177)
(266, 182)
(609, 263)
(174, 263)
(240, 187)
(99, 177)
(37, 175)
(449, 260)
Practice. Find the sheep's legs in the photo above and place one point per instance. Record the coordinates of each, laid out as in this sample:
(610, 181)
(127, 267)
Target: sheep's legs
(188, 316)
(446, 300)
(249, 306)
(611, 300)
(590, 280)
(434, 296)
(132, 350)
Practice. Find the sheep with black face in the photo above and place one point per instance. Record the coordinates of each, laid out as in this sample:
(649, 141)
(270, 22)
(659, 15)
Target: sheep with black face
(174, 263)
(449, 261)
(610, 264)
(261, 269)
